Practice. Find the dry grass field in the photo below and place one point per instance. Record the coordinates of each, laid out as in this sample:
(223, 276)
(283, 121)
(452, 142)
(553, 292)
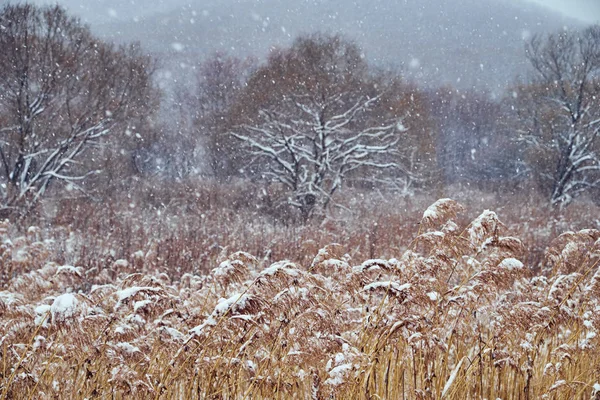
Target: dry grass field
(409, 305)
(272, 214)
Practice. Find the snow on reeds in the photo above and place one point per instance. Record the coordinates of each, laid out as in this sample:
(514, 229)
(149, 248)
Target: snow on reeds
(458, 314)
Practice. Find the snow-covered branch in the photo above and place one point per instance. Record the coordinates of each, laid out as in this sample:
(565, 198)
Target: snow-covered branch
(311, 149)
(565, 110)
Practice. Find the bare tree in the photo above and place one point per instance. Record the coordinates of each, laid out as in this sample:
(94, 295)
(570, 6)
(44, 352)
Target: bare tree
(562, 107)
(314, 116)
(312, 153)
(196, 141)
(474, 145)
(63, 93)
(220, 81)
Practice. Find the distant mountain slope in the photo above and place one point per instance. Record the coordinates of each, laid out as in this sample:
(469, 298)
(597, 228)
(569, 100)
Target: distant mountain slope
(460, 42)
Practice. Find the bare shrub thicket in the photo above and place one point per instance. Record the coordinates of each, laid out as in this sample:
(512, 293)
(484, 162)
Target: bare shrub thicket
(456, 314)
(188, 224)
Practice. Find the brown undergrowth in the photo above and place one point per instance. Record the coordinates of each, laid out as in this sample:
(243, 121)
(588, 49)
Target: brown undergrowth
(186, 228)
(456, 314)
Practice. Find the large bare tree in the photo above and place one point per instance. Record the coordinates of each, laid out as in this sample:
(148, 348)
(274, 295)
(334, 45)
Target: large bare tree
(315, 116)
(562, 110)
(63, 94)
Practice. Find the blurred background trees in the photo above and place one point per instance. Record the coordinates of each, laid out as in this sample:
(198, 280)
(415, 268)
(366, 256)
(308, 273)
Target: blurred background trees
(79, 116)
(71, 106)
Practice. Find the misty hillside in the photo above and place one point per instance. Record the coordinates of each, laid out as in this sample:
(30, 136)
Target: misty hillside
(466, 43)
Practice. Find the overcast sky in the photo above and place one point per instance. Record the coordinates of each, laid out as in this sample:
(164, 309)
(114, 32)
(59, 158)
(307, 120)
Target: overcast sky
(586, 10)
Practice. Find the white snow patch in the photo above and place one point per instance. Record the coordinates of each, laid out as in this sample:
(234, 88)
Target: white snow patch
(511, 264)
(174, 333)
(65, 307)
(123, 329)
(557, 384)
(590, 335)
(251, 365)
(69, 269)
(391, 285)
(42, 312)
(141, 304)
(433, 296)
(9, 299)
(284, 267)
(433, 211)
(128, 348)
(132, 291)
(120, 263)
(235, 303)
(372, 264)
(338, 374)
(138, 254)
(224, 269)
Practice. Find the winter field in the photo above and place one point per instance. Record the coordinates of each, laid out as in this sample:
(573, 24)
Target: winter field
(451, 309)
(269, 213)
